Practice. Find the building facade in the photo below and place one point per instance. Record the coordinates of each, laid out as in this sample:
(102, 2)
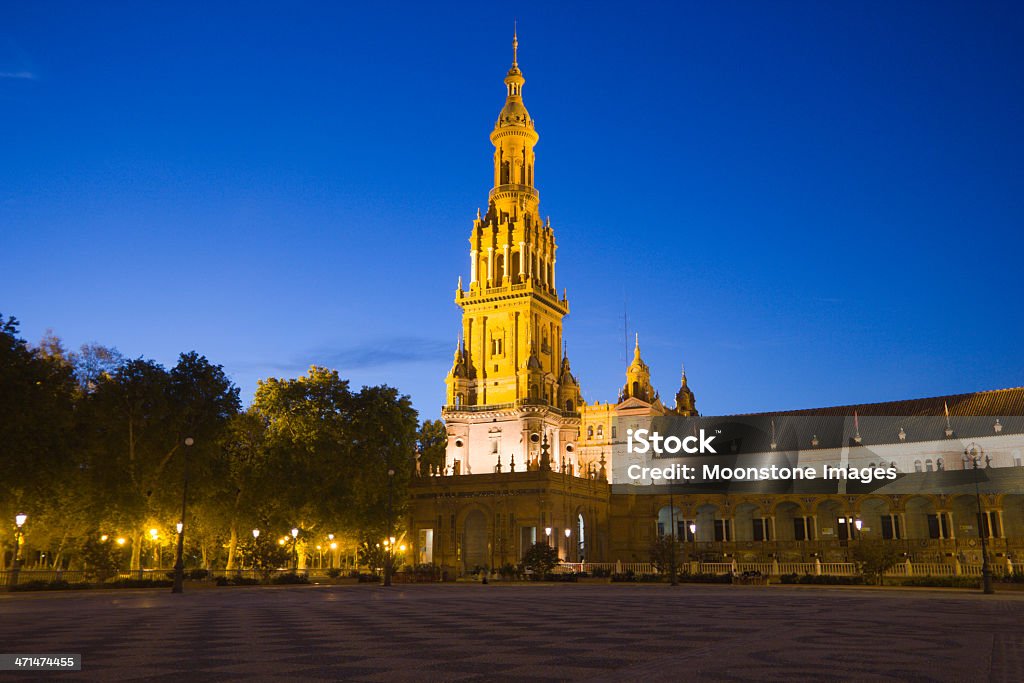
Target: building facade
(527, 460)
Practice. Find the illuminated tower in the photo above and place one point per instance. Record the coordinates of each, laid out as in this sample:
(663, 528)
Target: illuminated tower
(510, 388)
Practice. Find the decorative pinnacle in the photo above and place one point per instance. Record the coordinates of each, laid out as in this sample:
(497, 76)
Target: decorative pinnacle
(515, 43)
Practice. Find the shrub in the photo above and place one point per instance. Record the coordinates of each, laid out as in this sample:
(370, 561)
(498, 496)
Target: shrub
(198, 574)
(368, 578)
(289, 578)
(601, 572)
(705, 578)
(824, 579)
(236, 581)
(333, 572)
(942, 581)
(141, 583)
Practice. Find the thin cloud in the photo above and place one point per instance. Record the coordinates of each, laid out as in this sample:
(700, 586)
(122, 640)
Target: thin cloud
(394, 351)
(22, 75)
(369, 354)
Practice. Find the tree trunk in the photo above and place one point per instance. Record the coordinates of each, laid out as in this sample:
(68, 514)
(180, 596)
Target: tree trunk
(232, 547)
(136, 562)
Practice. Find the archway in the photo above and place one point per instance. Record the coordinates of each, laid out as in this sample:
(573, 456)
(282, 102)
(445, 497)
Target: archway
(877, 520)
(666, 516)
(790, 523)
(708, 528)
(831, 521)
(744, 523)
(922, 521)
(474, 541)
(1013, 516)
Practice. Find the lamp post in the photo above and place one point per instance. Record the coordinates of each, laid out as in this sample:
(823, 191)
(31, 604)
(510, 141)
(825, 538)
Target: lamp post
(333, 546)
(389, 552)
(295, 548)
(255, 536)
(568, 533)
(19, 521)
(693, 532)
(673, 580)
(547, 536)
(973, 454)
(179, 563)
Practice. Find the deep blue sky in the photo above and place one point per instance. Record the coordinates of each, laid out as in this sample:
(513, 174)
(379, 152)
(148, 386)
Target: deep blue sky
(809, 203)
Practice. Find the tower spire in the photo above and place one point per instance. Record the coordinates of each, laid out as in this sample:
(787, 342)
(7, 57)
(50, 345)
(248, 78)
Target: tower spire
(515, 43)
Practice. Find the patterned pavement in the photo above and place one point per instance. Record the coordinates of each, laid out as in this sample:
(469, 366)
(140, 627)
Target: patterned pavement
(522, 632)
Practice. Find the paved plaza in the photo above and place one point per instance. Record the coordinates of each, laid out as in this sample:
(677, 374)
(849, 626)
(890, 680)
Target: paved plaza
(522, 632)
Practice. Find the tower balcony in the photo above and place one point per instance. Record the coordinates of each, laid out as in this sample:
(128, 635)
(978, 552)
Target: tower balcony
(522, 403)
(531, 287)
(513, 190)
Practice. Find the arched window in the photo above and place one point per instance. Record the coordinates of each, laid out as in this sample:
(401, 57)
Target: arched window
(600, 431)
(458, 400)
(939, 465)
(568, 406)
(928, 466)
(590, 433)
(917, 466)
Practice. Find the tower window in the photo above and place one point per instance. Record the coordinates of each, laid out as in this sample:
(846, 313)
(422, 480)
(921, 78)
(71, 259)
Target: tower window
(590, 432)
(600, 431)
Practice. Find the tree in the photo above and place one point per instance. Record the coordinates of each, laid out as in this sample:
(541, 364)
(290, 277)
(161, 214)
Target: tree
(329, 452)
(92, 362)
(266, 555)
(242, 485)
(433, 441)
(874, 558)
(101, 558)
(37, 429)
(139, 417)
(666, 553)
(541, 558)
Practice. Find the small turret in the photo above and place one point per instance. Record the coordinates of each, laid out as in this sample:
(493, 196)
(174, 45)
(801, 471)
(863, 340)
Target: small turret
(638, 379)
(686, 404)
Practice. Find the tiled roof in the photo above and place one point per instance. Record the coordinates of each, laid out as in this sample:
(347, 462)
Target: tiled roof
(997, 403)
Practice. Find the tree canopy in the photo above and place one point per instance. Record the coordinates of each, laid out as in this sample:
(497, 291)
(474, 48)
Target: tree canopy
(93, 446)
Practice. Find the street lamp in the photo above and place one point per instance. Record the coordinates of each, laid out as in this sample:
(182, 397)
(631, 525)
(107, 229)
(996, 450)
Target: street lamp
(973, 454)
(295, 547)
(179, 564)
(19, 521)
(568, 533)
(179, 526)
(673, 579)
(693, 533)
(388, 557)
(333, 545)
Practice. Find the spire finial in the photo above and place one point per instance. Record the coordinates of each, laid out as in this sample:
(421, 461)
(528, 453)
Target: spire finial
(515, 43)
(683, 366)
